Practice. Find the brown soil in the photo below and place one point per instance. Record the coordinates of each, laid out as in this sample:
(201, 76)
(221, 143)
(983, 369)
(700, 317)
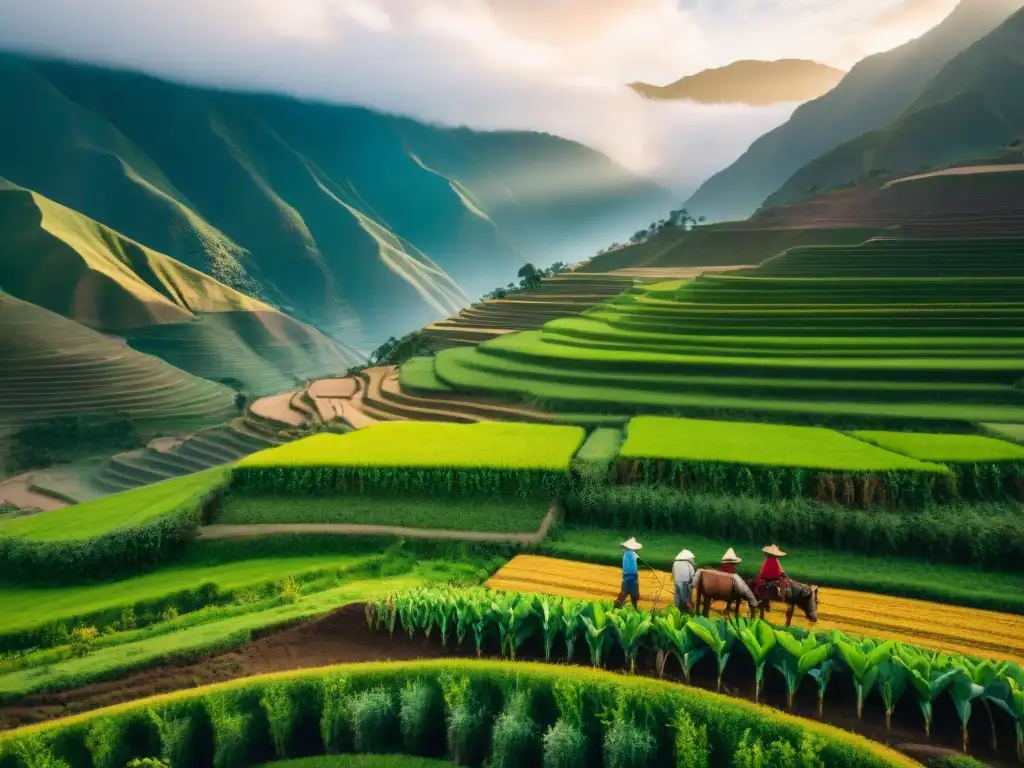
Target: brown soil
(278, 408)
(343, 636)
(18, 490)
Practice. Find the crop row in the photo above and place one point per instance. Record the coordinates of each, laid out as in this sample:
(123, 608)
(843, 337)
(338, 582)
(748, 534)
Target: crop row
(475, 713)
(892, 669)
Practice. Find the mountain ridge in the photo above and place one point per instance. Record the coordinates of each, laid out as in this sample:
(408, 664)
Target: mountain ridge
(875, 91)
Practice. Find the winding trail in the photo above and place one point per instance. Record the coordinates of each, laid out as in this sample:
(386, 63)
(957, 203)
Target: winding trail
(970, 631)
(208, 532)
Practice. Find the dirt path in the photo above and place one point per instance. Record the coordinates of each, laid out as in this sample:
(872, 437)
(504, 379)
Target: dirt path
(215, 531)
(964, 170)
(18, 490)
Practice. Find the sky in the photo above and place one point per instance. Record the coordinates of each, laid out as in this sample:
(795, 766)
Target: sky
(549, 65)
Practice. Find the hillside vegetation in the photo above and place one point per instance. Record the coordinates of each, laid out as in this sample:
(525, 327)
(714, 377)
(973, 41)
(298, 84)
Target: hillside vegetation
(877, 90)
(318, 210)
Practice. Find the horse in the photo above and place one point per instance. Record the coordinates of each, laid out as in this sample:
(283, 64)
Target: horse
(794, 594)
(717, 585)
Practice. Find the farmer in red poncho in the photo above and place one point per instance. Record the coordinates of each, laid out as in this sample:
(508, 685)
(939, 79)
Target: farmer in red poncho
(771, 571)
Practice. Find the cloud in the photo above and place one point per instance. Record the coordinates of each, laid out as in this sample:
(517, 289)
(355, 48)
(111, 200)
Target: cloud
(552, 65)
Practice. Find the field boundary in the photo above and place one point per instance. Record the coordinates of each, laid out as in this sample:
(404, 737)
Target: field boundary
(255, 530)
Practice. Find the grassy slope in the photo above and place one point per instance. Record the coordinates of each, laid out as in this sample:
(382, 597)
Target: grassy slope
(89, 273)
(122, 510)
(511, 516)
(319, 209)
(887, 575)
(55, 367)
(875, 91)
(945, 448)
(967, 110)
(27, 607)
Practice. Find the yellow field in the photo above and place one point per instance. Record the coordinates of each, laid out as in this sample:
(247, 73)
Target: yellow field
(986, 634)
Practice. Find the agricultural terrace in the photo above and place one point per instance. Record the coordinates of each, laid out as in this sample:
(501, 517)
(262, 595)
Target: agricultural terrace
(502, 713)
(775, 461)
(924, 351)
(419, 457)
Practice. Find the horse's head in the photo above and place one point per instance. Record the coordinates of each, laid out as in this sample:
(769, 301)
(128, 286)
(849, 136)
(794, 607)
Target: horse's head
(811, 605)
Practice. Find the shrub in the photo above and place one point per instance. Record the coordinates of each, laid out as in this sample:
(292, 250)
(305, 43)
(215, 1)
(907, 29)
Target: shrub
(421, 716)
(626, 745)
(282, 714)
(82, 640)
(753, 753)
(373, 719)
(289, 590)
(333, 726)
(565, 746)
(514, 741)
(176, 728)
(230, 732)
(34, 752)
(466, 721)
(691, 745)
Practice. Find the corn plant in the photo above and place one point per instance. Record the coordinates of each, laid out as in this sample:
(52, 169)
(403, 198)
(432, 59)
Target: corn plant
(597, 633)
(631, 626)
(929, 675)
(680, 641)
(719, 636)
(892, 683)
(572, 620)
(1015, 706)
(550, 620)
(758, 638)
(863, 660)
(795, 658)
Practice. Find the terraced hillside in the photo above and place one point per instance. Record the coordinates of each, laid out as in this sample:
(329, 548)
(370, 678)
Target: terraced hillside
(893, 332)
(55, 367)
(972, 201)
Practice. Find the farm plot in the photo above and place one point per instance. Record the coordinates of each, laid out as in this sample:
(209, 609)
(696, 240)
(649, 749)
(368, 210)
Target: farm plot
(922, 351)
(931, 625)
(487, 458)
(774, 461)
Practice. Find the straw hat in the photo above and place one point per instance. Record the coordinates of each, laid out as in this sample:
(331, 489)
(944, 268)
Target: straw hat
(774, 551)
(730, 557)
(685, 555)
(632, 544)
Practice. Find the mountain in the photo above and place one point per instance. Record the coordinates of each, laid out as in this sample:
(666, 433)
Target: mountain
(751, 82)
(969, 110)
(875, 91)
(361, 224)
(69, 264)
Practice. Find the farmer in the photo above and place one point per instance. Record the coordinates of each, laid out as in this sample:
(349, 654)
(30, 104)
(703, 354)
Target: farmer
(682, 579)
(771, 572)
(729, 561)
(630, 573)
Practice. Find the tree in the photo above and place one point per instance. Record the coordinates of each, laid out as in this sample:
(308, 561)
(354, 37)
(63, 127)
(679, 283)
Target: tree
(529, 276)
(241, 401)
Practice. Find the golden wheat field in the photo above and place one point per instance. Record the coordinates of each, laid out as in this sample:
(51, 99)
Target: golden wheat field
(986, 634)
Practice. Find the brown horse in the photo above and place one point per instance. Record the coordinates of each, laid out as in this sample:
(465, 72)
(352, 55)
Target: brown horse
(794, 594)
(717, 585)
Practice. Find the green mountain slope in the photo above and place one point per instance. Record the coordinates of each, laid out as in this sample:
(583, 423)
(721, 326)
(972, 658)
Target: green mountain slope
(875, 91)
(362, 224)
(971, 108)
(69, 264)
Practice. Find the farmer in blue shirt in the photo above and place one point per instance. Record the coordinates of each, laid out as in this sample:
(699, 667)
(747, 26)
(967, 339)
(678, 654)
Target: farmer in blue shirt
(630, 574)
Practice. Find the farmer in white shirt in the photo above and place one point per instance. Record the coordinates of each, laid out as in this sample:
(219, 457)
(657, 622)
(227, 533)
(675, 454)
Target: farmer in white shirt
(682, 578)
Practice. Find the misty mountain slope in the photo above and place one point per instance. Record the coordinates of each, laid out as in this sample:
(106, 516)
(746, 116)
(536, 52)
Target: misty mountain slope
(972, 107)
(875, 91)
(69, 264)
(362, 224)
(751, 82)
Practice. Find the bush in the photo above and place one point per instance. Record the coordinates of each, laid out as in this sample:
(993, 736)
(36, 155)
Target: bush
(34, 752)
(289, 590)
(515, 740)
(633, 735)
(421, 716)
(82, 641)
(691, 747)
(627, 745)
(68, 438)
(374, 720)
(976, 534)
(282, 714)
(333, 725)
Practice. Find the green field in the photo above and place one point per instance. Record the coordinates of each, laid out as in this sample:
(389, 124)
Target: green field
(658, 437)
(121, 511)
(945, 449)
(431, 445)
(512, 515)
(418, 375)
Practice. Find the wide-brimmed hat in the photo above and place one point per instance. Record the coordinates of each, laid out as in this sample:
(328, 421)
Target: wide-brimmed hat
(685, 555)
(774, 551)
(632, 543)
(730, 557)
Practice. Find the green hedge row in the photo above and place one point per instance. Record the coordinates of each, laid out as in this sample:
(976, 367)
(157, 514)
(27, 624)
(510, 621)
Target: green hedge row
(895, 488)
(326, 481)
(121, 551)
(989, 535)
(475, 712)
